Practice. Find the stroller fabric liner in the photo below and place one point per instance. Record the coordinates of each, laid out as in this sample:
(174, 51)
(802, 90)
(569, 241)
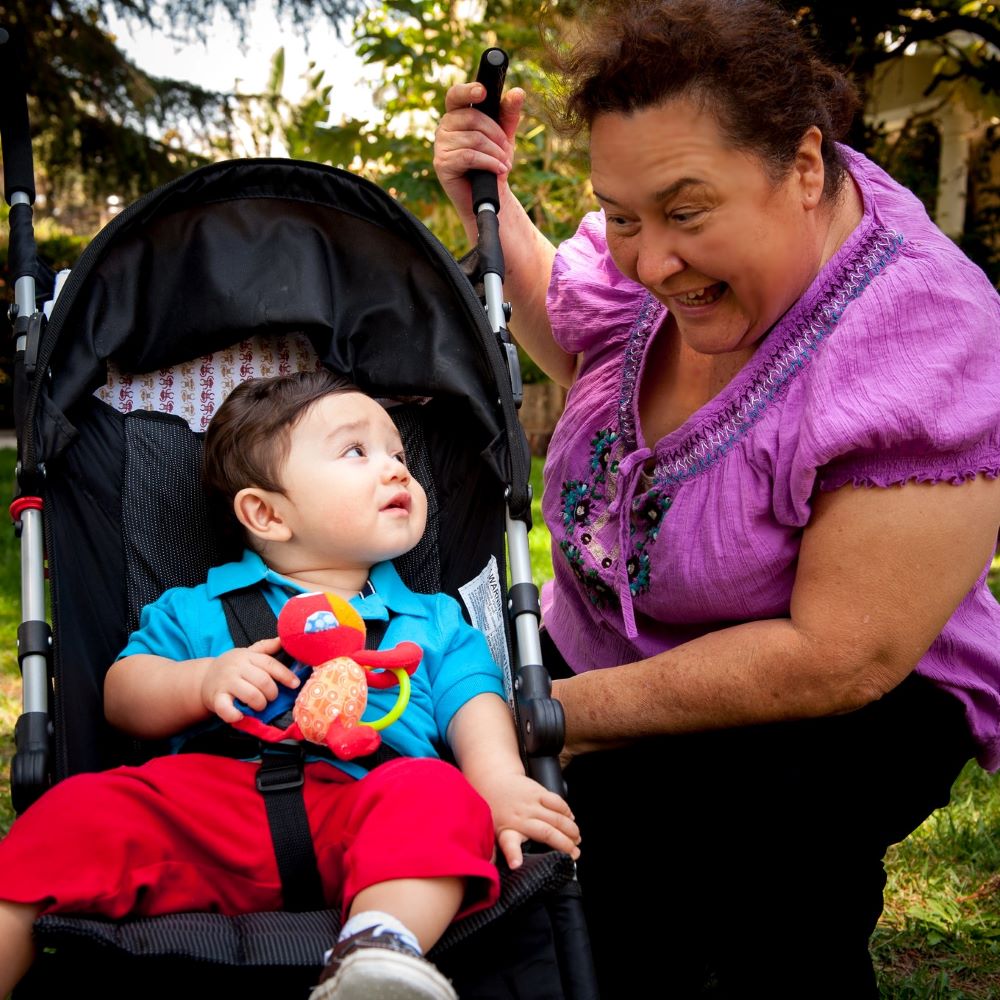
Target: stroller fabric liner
(240, 269)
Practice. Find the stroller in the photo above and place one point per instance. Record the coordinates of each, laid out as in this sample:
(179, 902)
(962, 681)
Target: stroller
(239, 269)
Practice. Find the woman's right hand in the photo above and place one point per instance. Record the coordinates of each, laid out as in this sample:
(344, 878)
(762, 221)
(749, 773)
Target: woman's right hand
(467, 139)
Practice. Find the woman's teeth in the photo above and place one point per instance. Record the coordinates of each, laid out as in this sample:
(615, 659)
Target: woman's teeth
(703, 296)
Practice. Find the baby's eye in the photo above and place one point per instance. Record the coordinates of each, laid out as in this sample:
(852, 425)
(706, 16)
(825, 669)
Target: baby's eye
(400, 457)
(355, 451)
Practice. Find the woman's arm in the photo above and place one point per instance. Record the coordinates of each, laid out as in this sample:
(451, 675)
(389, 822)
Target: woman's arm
(880, 573)
(468, 140)
(153, 697)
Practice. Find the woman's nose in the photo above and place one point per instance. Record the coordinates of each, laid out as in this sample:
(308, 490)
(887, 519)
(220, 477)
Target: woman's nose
(656, 261)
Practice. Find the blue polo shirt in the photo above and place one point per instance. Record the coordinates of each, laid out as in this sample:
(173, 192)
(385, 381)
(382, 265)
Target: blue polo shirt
(187, 623)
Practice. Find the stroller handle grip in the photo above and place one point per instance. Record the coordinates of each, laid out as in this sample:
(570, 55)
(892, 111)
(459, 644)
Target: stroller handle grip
(492, 73)
(18, 168)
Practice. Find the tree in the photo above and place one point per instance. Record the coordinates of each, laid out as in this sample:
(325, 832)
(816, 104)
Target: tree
(963, 37)
(965, 34)
(99, 119)
(422, 47)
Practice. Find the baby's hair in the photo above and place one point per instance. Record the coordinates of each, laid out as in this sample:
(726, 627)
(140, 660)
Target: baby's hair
(248, 438)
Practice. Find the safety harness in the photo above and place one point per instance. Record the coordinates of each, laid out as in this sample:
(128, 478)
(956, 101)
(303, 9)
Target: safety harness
(280, 777)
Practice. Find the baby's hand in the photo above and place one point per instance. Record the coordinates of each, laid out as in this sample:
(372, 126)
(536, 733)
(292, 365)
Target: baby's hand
(524, 810)
(250, 674)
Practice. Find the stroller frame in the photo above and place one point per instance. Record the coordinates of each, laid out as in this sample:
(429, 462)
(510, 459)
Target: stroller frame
(43, 437)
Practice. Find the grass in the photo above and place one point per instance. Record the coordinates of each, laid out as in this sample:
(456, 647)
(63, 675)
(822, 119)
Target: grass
(939, 938)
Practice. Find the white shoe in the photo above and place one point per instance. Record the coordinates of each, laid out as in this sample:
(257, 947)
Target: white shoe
(367, 966)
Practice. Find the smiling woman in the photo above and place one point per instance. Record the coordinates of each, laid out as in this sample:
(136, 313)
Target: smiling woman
(773, 497)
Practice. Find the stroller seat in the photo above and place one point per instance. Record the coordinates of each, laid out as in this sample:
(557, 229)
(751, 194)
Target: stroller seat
(235, 268)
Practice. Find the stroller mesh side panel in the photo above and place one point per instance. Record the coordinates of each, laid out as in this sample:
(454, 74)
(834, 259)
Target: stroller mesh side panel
(168, 539)
(168, 533)
(86, 577)
(420, 567)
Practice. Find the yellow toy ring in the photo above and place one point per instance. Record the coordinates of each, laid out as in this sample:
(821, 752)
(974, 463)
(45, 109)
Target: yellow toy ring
(402, 700)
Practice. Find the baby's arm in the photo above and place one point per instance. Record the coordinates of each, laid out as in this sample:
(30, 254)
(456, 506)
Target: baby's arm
(482, 738)
(153, 697)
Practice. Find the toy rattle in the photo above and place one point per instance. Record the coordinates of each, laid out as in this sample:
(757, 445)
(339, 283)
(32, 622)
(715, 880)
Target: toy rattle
(325, 632)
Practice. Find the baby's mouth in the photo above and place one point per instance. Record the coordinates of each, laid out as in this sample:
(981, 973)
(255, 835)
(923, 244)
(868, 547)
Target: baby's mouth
(399, 502)
(703, 296)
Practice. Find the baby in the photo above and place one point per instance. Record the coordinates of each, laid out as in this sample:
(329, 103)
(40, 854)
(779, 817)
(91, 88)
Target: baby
(314, 472)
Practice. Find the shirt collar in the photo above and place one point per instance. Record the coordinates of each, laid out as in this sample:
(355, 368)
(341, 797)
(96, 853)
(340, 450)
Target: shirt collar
(390, 591)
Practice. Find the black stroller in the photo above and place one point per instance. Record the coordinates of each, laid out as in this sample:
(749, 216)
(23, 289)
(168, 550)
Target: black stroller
(277, 263)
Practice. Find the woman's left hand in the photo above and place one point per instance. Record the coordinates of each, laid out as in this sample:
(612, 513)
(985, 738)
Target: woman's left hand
(880, 572)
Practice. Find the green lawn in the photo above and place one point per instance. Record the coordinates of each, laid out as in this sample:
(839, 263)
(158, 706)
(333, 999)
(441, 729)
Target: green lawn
(939, 938)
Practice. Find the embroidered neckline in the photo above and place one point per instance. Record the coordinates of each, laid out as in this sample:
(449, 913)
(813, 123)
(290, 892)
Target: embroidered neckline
(786, 354)
(617, 483)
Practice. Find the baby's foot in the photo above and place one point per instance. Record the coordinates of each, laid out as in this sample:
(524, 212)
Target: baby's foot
(380, 966)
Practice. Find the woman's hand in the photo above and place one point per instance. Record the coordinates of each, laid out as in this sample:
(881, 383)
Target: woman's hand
(467, 139)
(880, 572)
(250, 675)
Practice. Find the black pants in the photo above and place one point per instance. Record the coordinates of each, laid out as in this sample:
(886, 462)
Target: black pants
(748, 862)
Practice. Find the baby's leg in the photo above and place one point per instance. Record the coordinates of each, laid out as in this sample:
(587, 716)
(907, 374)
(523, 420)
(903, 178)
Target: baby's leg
(425, 906)
(415, 842)
(16, 950)
(411, 820)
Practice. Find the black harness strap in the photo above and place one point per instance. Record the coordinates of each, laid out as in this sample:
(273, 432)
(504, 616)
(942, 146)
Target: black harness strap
(280, 778)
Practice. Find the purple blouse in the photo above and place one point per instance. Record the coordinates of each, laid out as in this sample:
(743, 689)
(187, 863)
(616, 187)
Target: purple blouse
(887, 370)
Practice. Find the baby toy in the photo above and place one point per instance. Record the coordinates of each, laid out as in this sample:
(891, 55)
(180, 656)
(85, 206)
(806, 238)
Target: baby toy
(326, 633)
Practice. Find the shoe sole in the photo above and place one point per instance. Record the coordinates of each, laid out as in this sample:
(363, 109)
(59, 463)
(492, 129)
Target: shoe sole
(385, 975)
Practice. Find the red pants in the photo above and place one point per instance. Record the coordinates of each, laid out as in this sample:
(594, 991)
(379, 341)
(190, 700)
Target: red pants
(190, 832)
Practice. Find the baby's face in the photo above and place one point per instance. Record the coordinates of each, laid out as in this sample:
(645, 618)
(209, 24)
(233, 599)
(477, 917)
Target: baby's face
(351, 499)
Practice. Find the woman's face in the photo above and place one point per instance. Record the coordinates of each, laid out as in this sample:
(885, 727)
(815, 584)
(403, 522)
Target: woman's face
(702, 225)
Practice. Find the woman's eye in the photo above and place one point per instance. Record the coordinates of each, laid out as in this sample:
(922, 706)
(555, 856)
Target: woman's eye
(685, 215)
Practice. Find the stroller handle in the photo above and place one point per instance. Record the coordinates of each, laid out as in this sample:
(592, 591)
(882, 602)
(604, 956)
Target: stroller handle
(492, 73)
(18, 168)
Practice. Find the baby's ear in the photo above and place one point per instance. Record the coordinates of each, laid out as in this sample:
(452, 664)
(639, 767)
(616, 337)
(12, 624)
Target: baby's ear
(259, 511)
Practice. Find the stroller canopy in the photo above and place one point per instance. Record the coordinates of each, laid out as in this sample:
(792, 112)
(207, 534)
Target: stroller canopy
(273, 246)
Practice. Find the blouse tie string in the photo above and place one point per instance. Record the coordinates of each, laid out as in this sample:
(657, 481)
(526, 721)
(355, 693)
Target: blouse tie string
(629, 474)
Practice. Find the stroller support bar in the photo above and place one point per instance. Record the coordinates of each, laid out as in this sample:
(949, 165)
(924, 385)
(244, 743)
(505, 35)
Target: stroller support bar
(539, 716)
(34, 659)
(30, 766)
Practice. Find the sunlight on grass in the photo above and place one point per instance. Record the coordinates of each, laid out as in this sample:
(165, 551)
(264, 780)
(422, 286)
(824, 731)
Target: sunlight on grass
(940, 934)
(10, 614)
(539, 539)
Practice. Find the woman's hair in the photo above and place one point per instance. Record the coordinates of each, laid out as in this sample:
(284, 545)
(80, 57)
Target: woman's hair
(248, 439)
(742, 60)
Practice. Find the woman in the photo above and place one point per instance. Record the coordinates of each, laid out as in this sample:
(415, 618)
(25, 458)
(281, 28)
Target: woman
(773, 499)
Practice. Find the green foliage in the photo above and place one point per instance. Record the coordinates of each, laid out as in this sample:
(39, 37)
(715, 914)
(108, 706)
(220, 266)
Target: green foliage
(940, 934)
(868, 35)
(421, 47)
(100, 121)
(539, 538)
(57, 247)
(10, 615)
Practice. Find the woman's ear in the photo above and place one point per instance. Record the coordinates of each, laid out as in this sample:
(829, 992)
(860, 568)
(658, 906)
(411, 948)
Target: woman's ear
(809, 167)
(260, 513)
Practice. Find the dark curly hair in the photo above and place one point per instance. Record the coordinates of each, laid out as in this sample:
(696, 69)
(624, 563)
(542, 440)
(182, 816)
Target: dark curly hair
(248, 438)
(744, 61)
